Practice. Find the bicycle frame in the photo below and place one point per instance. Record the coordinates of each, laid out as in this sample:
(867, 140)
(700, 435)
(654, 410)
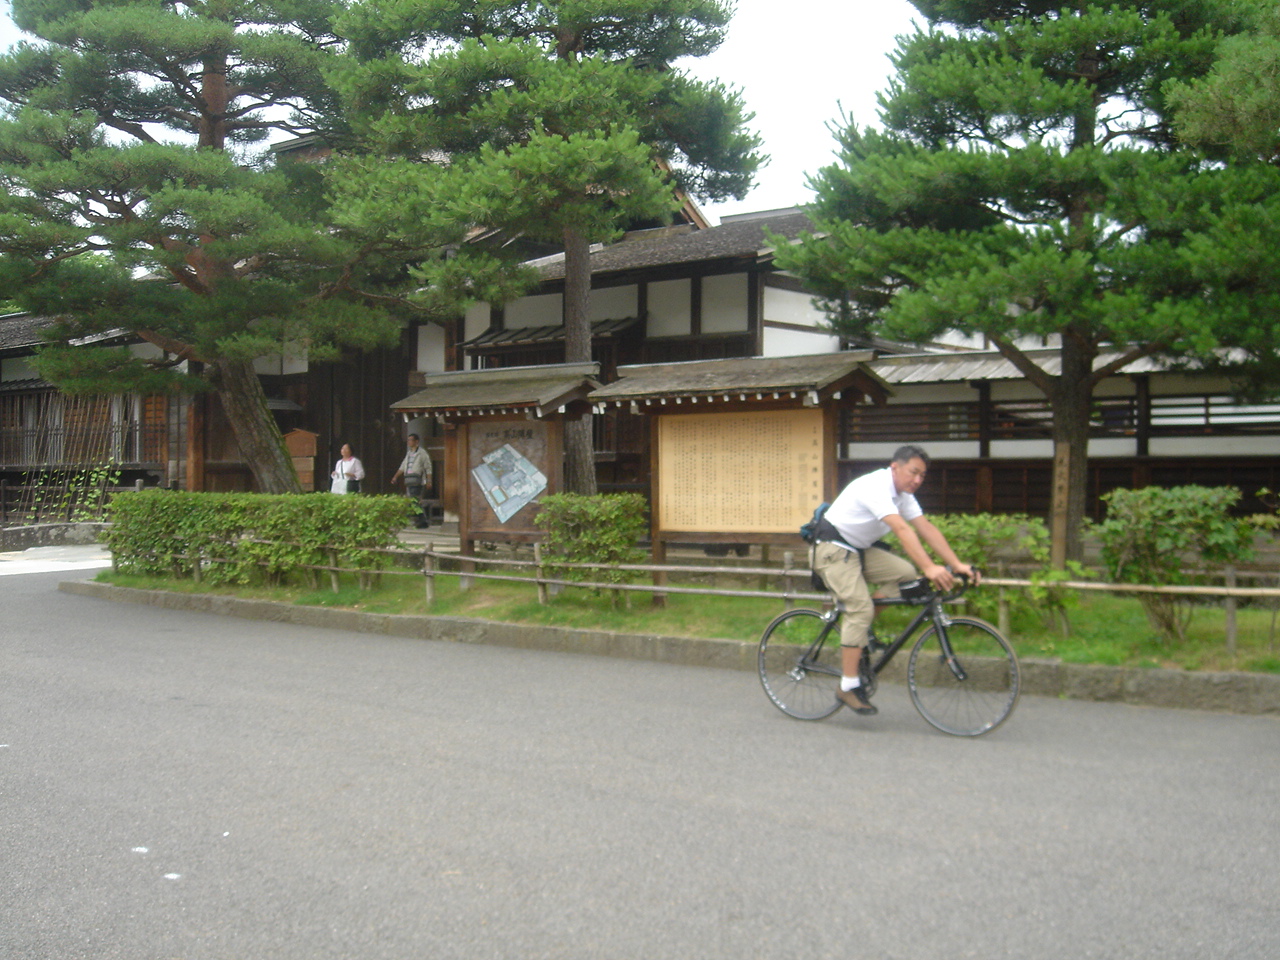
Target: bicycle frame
(929, 610)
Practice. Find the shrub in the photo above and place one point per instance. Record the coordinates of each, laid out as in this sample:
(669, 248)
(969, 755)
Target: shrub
(168, 533)
(984, 539)
(603, 529)
(1156, 535)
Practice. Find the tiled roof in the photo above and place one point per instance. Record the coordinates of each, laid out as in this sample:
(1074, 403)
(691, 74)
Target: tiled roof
(20, 331)
(988, 365)
(738, 238)
(807, 378)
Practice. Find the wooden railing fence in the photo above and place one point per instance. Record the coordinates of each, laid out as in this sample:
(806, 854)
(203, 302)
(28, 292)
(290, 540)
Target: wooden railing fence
(430, 563)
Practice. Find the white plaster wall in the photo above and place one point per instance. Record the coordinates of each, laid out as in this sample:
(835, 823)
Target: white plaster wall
(1014, 390)
(614, 303)
(788, 306)
(1214, 446)
(544, 310)
(1021, 449)
(148, 351)
(797, 343)
(932, 393)
(970, 341)
(16, 368)
(724, 304)
(475, 321)
(1113, 447)
(430, 348)
(938, 449)
(293, 360)
(670, 304)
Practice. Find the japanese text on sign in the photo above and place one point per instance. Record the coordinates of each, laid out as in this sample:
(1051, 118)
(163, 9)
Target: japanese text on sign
(749, 472)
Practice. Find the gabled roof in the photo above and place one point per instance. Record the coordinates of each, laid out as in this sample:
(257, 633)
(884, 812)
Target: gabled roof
(811, 379)
(742, 238)
(534, 391)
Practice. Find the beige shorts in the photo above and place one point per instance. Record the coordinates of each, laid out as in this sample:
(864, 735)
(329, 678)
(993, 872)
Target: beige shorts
(849, 579)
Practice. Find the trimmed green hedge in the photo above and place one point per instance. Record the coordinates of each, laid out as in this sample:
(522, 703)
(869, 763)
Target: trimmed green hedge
(168, 533)
(601, 529)
(983, 539)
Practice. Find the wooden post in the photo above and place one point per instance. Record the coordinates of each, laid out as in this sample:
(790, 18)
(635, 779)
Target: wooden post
(540, 574)
(659, 554)
(333, 570)
(788, 561)
(1230, 611)
(466, 550)
(1002, 611)
(429, 574)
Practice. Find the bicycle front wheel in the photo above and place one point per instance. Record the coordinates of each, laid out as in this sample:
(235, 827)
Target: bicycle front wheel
(972, 695)
(799, 667)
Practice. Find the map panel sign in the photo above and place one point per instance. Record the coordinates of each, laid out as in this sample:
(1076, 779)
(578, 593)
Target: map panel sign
(508, 481)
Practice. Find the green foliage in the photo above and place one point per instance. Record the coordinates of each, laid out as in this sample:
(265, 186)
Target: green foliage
(76, 496)
(173, 533)
(1163, 536)
(552, 116)
(986, 539)
(1027, 184)
(1237, 103)
(600, 529)
(136, 194)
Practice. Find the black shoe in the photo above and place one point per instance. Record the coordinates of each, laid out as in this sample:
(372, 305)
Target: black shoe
(857, 701)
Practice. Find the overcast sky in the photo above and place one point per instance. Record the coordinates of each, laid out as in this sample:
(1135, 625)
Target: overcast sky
(797, 62)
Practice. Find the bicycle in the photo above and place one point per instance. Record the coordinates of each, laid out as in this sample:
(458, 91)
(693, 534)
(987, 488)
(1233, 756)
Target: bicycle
(962, 674)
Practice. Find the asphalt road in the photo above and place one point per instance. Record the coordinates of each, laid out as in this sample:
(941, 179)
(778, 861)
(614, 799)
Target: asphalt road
(177, 785)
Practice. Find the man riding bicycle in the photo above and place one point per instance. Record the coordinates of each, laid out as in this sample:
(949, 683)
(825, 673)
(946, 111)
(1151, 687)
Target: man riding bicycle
(848, 555)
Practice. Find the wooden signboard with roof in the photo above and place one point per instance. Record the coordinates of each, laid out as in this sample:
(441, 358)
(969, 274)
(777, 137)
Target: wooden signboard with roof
(504, 442)
(742, 449)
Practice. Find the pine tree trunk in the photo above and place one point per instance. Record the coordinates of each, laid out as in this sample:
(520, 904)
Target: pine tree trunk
(1071, 403)
(580, 460)
(261, 444)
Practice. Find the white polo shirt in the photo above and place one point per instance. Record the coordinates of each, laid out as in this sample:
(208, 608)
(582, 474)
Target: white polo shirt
(859, 511)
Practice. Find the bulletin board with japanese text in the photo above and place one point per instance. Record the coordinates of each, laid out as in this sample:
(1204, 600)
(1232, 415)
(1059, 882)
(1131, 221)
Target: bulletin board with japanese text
(753, 471)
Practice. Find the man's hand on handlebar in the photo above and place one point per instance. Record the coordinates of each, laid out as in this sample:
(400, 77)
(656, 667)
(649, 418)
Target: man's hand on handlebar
(941, 577)
(944, 578)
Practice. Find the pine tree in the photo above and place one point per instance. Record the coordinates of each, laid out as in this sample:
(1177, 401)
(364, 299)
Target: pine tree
(138, 196)
(560, 121)
(1028, 186)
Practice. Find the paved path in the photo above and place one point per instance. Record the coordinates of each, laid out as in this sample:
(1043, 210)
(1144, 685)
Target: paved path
(51, 559)
(177, 785)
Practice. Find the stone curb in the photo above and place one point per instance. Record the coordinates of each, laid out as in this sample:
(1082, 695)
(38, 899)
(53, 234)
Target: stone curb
(1249, 693)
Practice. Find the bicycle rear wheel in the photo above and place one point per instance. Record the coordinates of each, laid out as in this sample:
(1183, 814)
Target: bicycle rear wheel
(801, 675)
(978, 692)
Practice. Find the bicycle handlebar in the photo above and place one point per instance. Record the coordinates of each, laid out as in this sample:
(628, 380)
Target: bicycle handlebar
(965, 584)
